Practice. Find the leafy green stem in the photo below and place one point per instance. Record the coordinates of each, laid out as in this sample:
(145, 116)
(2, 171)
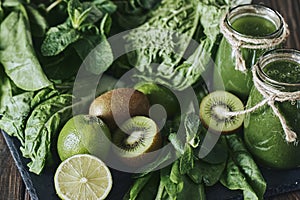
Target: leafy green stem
(53, 5)
(160, 191)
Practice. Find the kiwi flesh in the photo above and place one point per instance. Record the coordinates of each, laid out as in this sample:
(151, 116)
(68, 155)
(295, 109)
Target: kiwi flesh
(136, 140)
(119, 105)
(213, 108)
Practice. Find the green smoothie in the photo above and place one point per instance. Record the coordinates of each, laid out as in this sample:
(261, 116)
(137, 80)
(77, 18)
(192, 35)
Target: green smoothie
(263, 131)
(283, 71)
(225, 75)
(254, 26)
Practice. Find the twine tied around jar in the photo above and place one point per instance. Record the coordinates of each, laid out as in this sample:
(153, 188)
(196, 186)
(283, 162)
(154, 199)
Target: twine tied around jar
(239, 41)
(271, 95)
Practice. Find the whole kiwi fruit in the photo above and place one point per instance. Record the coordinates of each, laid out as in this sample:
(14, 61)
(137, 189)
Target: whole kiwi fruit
(117, 105)
(136, 141)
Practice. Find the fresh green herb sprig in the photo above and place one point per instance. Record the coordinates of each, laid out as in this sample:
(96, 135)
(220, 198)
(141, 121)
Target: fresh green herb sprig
(84, 30)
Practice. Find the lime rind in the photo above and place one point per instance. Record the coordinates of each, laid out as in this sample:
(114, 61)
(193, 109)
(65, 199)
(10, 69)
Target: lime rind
(84, 134)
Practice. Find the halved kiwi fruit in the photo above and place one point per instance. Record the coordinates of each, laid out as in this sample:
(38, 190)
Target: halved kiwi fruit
(213, 108)
(136, 140)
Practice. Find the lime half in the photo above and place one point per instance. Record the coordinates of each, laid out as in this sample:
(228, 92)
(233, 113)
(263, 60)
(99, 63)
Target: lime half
(82, 176)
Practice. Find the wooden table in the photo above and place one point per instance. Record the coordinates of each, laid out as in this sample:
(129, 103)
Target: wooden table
(11, 184)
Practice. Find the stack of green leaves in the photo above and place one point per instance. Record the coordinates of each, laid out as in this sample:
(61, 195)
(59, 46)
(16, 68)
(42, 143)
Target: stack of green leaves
(161, 43)
(43, 44)
(229, 163)
(38, 64)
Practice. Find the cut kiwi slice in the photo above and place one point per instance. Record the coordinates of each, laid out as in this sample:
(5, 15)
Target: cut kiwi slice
(135, 139)
(213, 109)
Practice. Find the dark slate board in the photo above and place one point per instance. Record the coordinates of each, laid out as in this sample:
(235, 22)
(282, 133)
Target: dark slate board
(41, 186)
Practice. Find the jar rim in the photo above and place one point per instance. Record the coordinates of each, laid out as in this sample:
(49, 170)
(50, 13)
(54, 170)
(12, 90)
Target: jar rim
(273, 56)
(274, 34)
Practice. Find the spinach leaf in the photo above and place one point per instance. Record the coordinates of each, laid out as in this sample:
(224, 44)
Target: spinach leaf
(192, 127)
(156, 41)
(177, 142)
(41, 96)
(15, 115)
(186, 160)
(11, 3)
(242, 172)
(131, 14)
(188, 134)
(58, 38)
(206, 173)
(219, 153)
(35, 118)
(234, 179)
(97, 11)
(150, 189)
(38, 23)
(62, 66)
(85, 45)
(165, 156)
(106, 6)
(191, 190)
(1, 12)
(161, 193)
(171, 180)
(247, 164)
(5, 90)
(42, 126)
(17, 54)
(185, 187)
(136, 188)
(99, 53)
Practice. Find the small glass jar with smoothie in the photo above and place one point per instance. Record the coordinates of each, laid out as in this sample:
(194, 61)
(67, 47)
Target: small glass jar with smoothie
(250, 22)
(264, 135)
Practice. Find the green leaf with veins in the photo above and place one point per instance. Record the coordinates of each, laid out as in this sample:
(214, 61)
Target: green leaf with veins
(38, 23)
(206, 173)
(17, 54)
(100, 57)
(164, 39)
(42, 127)
(76, 13)
(5, 90)
(58, 39)
(136, 188)
(186, 161)
(242, 172)
(15, 115)
(1, 12)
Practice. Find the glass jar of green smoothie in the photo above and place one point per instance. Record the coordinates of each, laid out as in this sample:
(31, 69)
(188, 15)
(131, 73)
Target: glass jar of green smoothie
(249, 31)
(273, 141)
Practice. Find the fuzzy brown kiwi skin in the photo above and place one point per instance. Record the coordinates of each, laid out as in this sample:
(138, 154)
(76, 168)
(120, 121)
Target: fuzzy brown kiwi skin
(146, 157)
(102, 106)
